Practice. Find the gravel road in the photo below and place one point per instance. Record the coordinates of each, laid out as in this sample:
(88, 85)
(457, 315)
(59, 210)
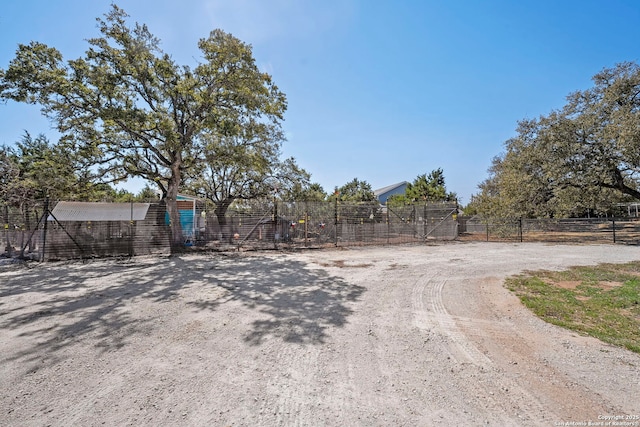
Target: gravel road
(376, 336)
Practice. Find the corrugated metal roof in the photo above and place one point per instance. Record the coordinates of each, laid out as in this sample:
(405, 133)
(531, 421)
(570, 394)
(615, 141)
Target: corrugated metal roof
(388, 188)
(89, 211)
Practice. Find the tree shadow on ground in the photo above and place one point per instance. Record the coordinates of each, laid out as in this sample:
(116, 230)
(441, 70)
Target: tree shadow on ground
(297, 304)
(57, 305)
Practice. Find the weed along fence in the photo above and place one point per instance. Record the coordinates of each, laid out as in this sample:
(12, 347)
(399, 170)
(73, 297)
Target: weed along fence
(67, 230)
(570, 230)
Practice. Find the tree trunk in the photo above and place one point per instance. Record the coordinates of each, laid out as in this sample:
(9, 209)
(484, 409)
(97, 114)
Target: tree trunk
(26, 230)
(221, 214)
(177, 239)
(620, 185)
(6, 230)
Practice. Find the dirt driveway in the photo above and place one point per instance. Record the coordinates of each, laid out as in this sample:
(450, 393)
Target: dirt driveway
(385, 336)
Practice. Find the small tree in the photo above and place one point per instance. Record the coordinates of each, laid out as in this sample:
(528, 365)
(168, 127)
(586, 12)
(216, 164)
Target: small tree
(244, 167)
(358, 200)
(355, 191)
(429, 188)
(306, 193)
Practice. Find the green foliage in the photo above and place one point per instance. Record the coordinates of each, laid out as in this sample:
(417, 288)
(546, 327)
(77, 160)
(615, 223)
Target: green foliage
(45, 169)
(127, 109)
(358, 202)
(398, 200)
(470, 209)
(145, 195)
(582, 158)
(307, 193)
(9, 172)
(430, 188)
(35, 169)
(243, 167)
(605, 303)
(425, 188)
(354, 191)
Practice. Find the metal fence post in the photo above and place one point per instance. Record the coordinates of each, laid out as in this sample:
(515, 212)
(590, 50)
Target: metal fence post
(520, 228)
(388, 228)
(131, 230)
(44, 231)
(6, 230)
(306, 223)
(614, 229)
(425, 228)
(335, 215)
(276, 234)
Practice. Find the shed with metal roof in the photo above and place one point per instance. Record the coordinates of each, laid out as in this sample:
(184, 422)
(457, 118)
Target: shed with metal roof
(93, 211)
(95, 229)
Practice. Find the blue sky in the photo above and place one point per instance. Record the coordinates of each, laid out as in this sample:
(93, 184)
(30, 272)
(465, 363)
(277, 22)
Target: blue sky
(382, 91)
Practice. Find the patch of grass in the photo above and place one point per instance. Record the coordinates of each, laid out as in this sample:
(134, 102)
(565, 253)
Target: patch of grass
(601, 301)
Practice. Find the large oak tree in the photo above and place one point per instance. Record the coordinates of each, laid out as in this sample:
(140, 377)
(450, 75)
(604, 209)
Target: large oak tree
(584, 156)
(128, 108)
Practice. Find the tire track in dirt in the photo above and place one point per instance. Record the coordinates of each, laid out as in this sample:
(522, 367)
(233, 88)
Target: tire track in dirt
(460, 348)
(430, 310)
(449, 347)
(290, 390)
(520, 352)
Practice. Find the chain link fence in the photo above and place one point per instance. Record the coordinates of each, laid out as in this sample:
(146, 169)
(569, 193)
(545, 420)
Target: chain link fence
(20, 231)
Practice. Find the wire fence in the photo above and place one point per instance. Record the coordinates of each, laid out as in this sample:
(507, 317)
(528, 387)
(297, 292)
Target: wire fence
(35, 231)
(623, 230)
(41, 230)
